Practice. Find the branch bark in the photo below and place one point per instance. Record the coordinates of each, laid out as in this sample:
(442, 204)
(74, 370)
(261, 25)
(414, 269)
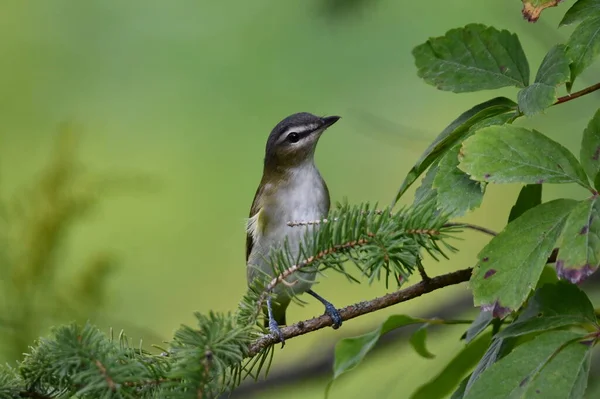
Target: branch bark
(361, 308)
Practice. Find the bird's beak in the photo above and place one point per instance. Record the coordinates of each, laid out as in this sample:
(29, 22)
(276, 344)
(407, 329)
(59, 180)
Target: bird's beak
(329, 120)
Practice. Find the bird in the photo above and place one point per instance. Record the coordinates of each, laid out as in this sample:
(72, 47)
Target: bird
(291, 189)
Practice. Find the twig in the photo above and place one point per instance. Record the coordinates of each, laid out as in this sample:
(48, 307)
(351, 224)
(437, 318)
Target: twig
(109, 381)
(577, 94)
(475, 227)
(359, 309)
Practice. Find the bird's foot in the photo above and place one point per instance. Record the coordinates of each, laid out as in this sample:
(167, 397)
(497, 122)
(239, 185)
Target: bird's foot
(332, 312)
(276, 331)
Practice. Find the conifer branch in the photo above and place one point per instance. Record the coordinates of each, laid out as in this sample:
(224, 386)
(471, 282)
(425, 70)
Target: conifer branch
(361, 308)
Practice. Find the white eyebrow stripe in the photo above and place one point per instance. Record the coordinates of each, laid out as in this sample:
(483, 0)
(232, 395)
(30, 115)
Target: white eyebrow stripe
(298, 129)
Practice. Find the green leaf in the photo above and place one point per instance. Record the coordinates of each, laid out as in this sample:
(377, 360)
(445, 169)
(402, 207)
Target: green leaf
(559, 299)
(460, 391)
(479, 324)
(492, 354)
(349, 352)
(579, 253)
(454, 133)
(548, 366)
(472, 58)
(510, 154)
(426, 193)
(539, 324)
(457, 193)
(584, 46)
(590, 147)
(511, 263)
(581, 10)
(417, 340)
(448, 379)
(553, 71)
(581, 381)
(530, 196)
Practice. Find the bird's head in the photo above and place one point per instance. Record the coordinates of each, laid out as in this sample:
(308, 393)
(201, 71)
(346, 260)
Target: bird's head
(292, 141)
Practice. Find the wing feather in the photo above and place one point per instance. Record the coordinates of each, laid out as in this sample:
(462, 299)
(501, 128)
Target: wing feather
(252, 225)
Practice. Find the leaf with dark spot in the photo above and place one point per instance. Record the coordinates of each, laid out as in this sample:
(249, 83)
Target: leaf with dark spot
(579, 254)
(528, 240)
(489, 273)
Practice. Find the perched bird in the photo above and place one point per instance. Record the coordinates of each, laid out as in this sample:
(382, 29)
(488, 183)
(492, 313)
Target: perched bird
(291, 189)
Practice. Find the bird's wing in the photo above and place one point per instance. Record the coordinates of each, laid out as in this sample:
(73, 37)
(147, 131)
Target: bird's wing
(252, 227)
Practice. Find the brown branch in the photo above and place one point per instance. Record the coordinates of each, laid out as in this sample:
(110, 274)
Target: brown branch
(109, 381)
(577, 94)
(359, 309)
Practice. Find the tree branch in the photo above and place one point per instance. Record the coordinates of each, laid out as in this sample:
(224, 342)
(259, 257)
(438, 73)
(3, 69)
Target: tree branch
(577, 94)
(359, 309)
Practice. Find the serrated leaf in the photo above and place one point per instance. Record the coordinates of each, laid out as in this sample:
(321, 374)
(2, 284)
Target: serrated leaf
(579, 254)
(453, 134)
(547, 367)
(448, 379)
(349, 352)
(553, 71)
(484, 318)
(510, 154)
(417, 341)
(457, 193)
(581, 10)
(502, 282)
(472, 58)
(589, 154)
(533, 8)
(584, 46)
(529, 197)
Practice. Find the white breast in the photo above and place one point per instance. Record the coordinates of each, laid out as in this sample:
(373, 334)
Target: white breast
(302, 198)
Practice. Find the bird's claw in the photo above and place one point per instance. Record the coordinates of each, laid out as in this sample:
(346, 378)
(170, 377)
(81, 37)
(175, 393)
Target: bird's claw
(276, 331)
(332, 312)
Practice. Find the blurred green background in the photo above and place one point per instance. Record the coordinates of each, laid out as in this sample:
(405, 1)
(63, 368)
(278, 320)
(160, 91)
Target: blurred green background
(184, 93)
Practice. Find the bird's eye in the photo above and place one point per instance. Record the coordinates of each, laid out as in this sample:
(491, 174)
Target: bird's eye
(293, 137)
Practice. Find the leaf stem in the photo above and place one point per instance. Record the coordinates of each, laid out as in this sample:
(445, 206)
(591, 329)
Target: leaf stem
(473, 227)
(578, 94)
